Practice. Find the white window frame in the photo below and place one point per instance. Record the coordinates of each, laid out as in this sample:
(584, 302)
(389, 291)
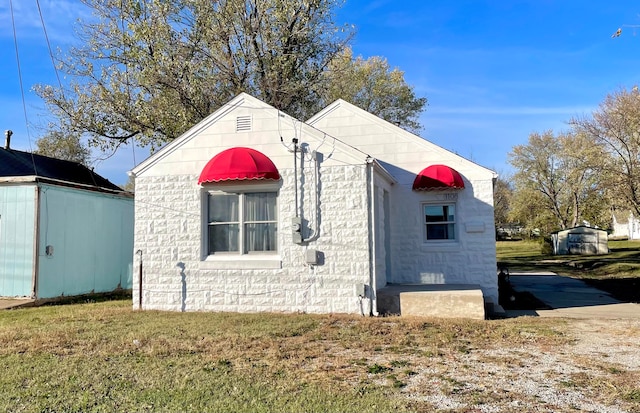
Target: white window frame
(455, 222)
(238, 259)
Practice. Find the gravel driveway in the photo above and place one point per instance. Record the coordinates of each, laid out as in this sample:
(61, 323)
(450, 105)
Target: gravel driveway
(597, 371)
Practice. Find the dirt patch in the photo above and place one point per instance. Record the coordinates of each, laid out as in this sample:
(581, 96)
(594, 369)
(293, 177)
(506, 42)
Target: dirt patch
(598, 370)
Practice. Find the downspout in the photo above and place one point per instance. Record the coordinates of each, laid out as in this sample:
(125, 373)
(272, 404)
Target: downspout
(139, 252)
(36, 242)
(316, 175)
(295, 173)
(373, 311)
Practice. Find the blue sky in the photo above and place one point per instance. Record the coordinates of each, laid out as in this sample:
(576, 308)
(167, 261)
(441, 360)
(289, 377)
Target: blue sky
(493, 71)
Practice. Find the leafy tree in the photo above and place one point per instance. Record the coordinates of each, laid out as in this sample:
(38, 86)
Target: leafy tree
(150, 69)
(130, 185)
(502, 193)
(528, 207)
(615, 128)
(68, 147)
(372, 85)
(557, 178)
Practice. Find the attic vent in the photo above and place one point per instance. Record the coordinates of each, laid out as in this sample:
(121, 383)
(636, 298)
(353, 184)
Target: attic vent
(243, 123)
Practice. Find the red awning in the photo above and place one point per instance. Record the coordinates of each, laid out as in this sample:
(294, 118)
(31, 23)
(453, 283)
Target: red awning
(438, 177)
(238, 164)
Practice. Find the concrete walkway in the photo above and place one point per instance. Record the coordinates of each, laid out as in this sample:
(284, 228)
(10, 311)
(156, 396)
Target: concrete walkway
(8, 303)
(569, 297)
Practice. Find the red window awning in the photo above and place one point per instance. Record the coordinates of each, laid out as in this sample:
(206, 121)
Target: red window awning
(438, 177)
(238, 164)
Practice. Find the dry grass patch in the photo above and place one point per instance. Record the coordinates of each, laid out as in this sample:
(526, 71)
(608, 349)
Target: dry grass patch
(104, 356)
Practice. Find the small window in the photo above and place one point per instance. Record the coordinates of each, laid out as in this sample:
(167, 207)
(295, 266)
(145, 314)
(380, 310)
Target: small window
(440, 222)
(241, 223)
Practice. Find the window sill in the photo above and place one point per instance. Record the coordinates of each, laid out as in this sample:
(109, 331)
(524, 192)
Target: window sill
(439, 246)
(244, 262)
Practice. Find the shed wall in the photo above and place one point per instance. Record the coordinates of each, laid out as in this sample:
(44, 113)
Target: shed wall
(90, 236)
(17, 240)
(580, 241)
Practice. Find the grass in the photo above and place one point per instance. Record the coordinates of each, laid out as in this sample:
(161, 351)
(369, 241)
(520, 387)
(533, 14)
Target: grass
(103, 356)
(106, 357)
(617, 272)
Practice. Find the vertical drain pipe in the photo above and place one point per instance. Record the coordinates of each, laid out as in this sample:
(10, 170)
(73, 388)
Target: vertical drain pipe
(295, 172)
(139, 252)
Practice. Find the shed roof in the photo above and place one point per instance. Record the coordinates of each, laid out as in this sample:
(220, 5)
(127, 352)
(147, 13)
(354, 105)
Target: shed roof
(15, 163)
(579, 229)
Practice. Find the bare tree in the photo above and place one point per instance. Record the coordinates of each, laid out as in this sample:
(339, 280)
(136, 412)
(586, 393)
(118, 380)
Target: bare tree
(615, 128)
(558, 176)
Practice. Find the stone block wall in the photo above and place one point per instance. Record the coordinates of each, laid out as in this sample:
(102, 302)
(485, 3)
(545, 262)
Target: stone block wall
(168, 232)
(470, 259)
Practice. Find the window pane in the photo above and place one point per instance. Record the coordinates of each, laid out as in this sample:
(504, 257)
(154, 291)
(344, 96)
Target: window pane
(440, 231)
(223, 238)
(439, 213)
(260, 237)
(450, 212)
(260, 206)
(434, 213)
(223, 208)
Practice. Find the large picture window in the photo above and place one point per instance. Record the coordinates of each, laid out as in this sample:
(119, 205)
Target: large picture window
(440, 221)
(242, 223)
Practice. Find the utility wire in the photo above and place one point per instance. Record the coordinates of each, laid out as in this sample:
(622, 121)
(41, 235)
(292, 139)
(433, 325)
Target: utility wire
(24, 105)
(46, 36)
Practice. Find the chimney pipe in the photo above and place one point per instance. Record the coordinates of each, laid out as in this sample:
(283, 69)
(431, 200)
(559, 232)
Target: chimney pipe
(7, 138)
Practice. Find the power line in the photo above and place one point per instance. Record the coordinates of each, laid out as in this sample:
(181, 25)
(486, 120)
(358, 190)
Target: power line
(46, 36)
(24, 105)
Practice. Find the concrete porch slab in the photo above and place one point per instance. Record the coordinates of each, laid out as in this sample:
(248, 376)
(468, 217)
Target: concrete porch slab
(432, 300)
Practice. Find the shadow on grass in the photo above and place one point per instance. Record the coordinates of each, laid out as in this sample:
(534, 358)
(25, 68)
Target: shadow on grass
(116, 295)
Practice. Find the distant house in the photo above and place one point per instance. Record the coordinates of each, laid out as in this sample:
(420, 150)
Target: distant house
(252, 210)
(64, 230)
(580, 240)
(625, 225)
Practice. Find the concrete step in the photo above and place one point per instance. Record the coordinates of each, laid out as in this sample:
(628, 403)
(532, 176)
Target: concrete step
(432, 300)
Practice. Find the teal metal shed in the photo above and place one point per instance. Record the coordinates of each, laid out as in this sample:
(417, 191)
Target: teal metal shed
(64, 230)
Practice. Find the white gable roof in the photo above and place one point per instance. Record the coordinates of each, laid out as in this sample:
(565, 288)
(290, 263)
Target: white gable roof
(243, 103)
(391, 141)
(241, 99)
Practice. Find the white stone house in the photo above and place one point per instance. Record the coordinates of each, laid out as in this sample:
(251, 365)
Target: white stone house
(252, 210)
